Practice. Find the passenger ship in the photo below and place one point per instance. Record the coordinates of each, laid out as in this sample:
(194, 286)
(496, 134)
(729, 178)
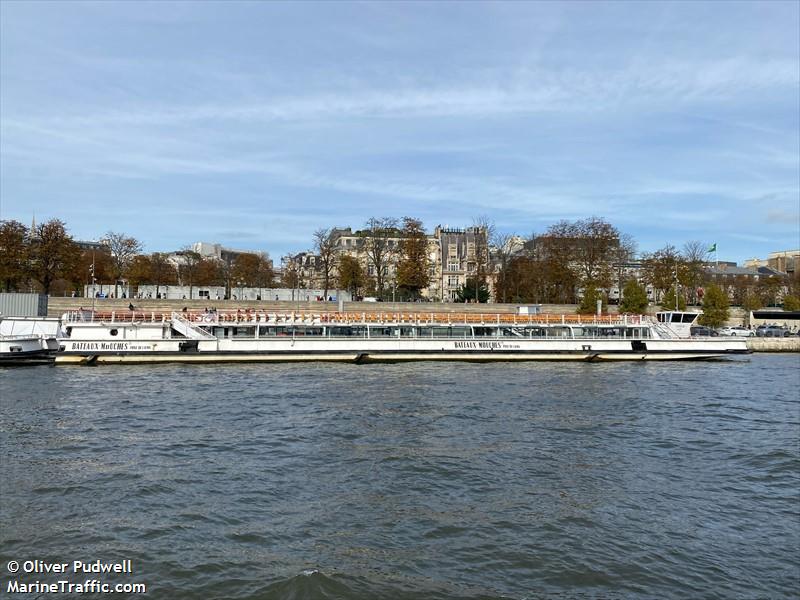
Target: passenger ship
(255, 336)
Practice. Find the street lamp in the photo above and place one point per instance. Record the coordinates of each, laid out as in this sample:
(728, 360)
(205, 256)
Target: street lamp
(91, 273)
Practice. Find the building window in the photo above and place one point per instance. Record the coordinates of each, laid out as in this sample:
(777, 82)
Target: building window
(452, 280)
(452, 266)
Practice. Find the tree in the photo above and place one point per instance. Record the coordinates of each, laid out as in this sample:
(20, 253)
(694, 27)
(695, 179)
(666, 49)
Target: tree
(504, 246)
(53, 253)
(483, 231)
(752, 302)
(668, 300)
(379, 248)
(13, 255)
(291, 274)
(588, 304)
(188, 267)
(791, 303)
(662, 268)
(694, 255)
(555, 254)
(595, 241)
(162, 271)
(265, 274)
(413, 267)
(123, 250)
(467, 292)
(325, 245)
(768, 288)
(140, 270)
(252, 270)
(351, 275)
(634, 298)
(208, 272)
(245, 269)
(715, 307)
(622, 254)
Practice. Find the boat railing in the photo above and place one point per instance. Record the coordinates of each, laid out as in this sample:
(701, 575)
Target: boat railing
(207, 318)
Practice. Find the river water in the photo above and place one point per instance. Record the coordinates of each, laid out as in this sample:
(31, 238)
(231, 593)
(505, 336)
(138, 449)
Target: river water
(425, 480)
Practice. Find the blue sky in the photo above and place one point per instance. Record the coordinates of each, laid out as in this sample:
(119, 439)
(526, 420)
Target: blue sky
(253, 124)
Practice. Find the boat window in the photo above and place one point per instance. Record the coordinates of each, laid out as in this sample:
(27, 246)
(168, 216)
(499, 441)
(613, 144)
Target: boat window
(340, 331)
(377, 332)
(689, 318)
(407, 331)
(487, 331)
(114, 332)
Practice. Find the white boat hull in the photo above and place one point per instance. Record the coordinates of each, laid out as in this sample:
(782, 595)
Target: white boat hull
(362, 351)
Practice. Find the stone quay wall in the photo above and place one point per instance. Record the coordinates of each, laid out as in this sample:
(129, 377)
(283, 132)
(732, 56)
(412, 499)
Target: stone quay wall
(787, 344)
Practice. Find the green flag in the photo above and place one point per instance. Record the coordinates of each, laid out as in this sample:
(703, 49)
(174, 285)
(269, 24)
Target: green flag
(713, 247)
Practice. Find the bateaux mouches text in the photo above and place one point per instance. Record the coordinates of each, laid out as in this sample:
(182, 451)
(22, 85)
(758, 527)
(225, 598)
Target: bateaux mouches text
(478, 345)
(113, 346)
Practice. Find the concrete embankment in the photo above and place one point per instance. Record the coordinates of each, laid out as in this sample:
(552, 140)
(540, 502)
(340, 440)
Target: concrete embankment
(787, 344)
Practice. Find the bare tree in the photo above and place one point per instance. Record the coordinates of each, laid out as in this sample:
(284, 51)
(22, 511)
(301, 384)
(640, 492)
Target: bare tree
(624, 253)
(123, 250)
(595, 244)
(189, 267)
(663, 269)
(380, 251)
(695, 255)
(325, 245)
(503, 245)
(484, 231)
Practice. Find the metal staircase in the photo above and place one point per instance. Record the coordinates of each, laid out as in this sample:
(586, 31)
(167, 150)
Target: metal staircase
(188, 329)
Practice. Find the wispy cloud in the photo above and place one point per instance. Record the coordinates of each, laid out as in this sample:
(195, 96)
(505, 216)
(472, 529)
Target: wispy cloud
(533, 112)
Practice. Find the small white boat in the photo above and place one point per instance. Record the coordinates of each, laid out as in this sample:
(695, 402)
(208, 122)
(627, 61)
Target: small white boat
(27, 340)
(259, 336)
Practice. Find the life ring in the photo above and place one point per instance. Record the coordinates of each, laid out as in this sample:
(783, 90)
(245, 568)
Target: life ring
(207, 318)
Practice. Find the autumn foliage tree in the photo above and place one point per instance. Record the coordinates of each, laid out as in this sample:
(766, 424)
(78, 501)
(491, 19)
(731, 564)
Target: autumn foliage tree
(413, 267)
(14, 270)
(351, 275)
(252, 270)
(53, 253)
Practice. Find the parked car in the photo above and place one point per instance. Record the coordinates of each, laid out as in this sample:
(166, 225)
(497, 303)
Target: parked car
(772, 331)
(702, 331)
(737, 330)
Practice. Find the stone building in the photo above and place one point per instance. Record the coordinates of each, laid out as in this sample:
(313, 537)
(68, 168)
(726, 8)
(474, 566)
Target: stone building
(451, 260)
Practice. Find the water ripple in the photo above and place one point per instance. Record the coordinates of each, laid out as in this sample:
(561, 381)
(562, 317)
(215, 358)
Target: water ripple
(442, 481)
